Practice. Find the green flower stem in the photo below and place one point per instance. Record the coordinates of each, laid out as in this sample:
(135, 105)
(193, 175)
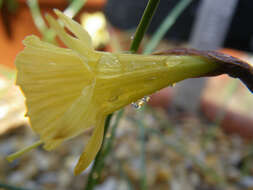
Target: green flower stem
(109, 142)
(143, 25)
(47, 33)
(11, 187)
(142, 139)
(123, 175)
(37, 17)
(74, 7)
(166, 25)
(99, 160)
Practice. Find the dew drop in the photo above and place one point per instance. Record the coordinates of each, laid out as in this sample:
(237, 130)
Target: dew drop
(109, 63)
(145, 99)
(138, 104)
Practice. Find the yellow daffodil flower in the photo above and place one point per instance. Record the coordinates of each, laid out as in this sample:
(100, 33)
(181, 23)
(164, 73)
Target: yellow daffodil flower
(71, 90)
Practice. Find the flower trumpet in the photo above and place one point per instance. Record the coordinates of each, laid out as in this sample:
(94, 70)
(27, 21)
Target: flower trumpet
(69, 90)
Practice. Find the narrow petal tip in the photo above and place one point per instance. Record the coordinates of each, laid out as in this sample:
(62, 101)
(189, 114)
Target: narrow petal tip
(92, 147)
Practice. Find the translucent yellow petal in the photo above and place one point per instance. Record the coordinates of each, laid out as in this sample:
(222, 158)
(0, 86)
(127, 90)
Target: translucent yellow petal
(32, 41)
(76, 119)
(76, 28)
(72, 42)
(52, 79)
(92, 148)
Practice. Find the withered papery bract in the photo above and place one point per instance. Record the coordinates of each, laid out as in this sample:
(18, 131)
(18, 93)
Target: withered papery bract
(69, 90)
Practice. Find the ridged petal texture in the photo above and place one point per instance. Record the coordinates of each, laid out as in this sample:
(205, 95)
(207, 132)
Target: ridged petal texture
(59, 86)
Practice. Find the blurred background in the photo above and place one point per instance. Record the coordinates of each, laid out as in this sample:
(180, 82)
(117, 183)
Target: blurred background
(196, 135)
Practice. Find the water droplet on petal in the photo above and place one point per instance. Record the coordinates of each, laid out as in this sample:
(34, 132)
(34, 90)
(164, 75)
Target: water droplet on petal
(138, 104)
(109, 64)
(145, 99)
(135, 105)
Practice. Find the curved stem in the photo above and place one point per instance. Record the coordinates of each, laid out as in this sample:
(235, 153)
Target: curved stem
(142, 139)
(74, 8)
(143, 25)
(37, 17)
(47, 33)
(166, 25)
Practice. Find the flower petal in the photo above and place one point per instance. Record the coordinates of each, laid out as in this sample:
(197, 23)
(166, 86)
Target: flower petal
(74, 121)
(74, 43)
(92, 148)
(52, 79)
(76, 28)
